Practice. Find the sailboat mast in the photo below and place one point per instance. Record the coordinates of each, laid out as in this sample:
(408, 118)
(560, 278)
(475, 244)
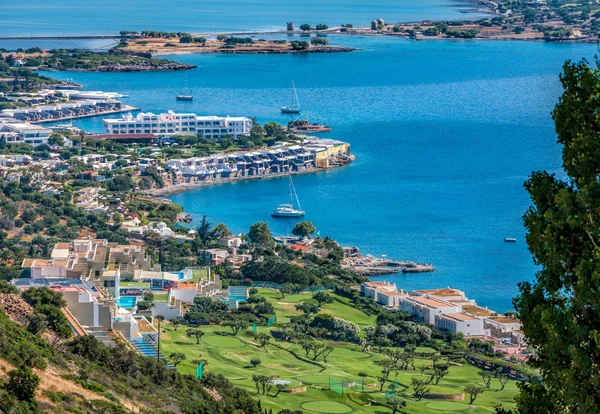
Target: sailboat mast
(290, 185)
(295, 194)
(295, 95)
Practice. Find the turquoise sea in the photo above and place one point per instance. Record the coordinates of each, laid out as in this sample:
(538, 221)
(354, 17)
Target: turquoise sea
(445, 134)
(77, 17)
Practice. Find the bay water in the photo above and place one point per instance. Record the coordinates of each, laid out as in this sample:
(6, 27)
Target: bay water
(445, 134)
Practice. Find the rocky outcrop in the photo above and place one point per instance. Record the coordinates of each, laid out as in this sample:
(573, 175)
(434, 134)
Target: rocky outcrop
(15, 307)
(143, 67)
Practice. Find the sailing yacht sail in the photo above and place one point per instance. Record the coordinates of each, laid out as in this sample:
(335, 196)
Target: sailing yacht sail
(293, 109)
(187, 95)
(288, 210)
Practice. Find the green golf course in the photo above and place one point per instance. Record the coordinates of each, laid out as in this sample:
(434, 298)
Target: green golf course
(231, 356)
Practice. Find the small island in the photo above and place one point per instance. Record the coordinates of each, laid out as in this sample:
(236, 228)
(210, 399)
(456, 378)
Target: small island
(153, 43)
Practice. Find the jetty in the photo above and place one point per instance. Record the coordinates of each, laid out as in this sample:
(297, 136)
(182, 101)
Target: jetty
(373, 266)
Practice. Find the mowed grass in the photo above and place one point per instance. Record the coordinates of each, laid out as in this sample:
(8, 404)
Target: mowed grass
(231, 355)
(198, 274)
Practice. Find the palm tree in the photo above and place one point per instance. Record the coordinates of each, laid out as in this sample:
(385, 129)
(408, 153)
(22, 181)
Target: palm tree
(159, 318)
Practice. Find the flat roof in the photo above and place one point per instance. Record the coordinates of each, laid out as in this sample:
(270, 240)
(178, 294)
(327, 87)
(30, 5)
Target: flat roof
(505, 319)
(431, 302)
(458, 317)
(440, 292)
(477, 311)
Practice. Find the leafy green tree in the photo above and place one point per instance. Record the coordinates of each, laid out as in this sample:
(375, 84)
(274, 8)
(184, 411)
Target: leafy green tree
(501, 377)
(263, 339)
(37, 323)
(304, 229)
(319, 41)
(307, 308)
(420, 388)
(396, 403)
(175, 323)
(56, 139)
(255, 362)
(473, 392)
(322, 298)
(322, 27)
(236, 324)
(177, 358)
(273, 129)
(305, 27)
(23, 384)
(486, 377)
(560, 310)
(260, 234)
(299, 45)
(196, 333)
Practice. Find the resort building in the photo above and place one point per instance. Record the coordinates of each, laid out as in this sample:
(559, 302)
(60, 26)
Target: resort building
(478, 311)
(447, 294)
(502, 325)
(64, 110)
(97, 259)
(383, 293)
(24, 133)
(231, 241)
(460, 323)
(424, 308)
(173, 123)
(14, 160)
(391, 299)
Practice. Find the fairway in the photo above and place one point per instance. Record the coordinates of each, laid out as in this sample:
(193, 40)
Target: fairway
(231, 356)
(445, 406)
(223, 341)
(314, 379)
(332, 407)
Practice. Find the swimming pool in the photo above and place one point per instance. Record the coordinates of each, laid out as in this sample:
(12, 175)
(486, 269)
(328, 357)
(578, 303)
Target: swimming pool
(127, 301)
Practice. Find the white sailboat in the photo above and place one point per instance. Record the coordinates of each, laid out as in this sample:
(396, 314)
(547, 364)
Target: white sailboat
(288, 210)
(187, 94)
(293, 109)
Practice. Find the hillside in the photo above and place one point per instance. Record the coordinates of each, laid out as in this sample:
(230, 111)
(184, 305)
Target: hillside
(310, 379)
(82, 375)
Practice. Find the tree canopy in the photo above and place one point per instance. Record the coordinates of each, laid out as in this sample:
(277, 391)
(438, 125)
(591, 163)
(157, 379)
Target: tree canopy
(560, 310)
(304, 229)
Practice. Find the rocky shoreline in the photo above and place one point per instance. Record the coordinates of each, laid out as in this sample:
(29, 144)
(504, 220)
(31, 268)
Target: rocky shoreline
(134, 67)
(322, 49)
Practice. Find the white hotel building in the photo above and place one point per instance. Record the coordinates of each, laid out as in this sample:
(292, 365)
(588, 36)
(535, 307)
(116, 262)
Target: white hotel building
(172, 123)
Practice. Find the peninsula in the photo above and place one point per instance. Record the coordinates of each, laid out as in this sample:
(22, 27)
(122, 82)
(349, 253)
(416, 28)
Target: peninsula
(152, 43)
(78, 60)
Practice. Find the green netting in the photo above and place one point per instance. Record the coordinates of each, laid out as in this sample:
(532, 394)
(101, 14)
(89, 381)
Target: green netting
(392, 391)
(271, 320)
(200, 370)
(336, 385)
(254, 327)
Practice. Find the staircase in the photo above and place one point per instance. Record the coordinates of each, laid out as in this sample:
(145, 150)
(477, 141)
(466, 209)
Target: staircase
(148, 348)
(99, 284)
(73, 322)
(101, 335)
